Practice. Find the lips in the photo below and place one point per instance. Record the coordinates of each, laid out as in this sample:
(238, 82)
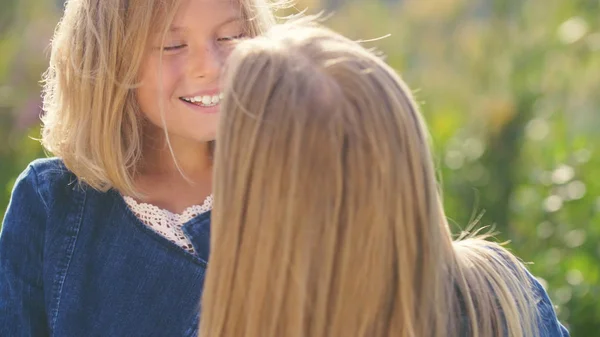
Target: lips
(203, 100)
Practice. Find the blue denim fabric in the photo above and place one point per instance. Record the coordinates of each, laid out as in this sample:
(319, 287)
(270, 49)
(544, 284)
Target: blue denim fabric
(548, 324)
(77, 262)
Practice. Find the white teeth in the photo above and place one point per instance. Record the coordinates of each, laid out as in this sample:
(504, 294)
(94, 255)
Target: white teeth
(205, 100)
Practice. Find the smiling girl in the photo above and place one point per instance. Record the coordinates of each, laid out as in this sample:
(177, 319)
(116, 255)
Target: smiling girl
(110, 237)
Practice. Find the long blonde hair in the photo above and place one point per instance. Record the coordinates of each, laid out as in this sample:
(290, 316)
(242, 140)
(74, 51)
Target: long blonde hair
(328, 220)
(91, 116)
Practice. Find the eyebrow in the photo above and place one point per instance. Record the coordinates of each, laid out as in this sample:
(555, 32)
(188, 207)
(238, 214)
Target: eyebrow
(175, 29)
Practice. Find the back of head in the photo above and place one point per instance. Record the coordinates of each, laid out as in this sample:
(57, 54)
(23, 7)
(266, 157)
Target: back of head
(327, 217)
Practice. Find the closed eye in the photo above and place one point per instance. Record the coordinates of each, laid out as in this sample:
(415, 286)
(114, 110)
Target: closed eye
(231, 38)
(176, 47)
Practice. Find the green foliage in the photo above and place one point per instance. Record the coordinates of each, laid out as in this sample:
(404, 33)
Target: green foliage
(509, 90)
(25, 28)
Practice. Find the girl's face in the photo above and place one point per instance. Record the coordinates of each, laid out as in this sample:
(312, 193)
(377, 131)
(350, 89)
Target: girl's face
(185, 84)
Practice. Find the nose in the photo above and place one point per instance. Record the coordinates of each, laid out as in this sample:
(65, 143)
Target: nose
(206, 63)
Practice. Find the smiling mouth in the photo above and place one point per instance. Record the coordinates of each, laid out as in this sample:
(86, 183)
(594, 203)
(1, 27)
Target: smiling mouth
(204, 101)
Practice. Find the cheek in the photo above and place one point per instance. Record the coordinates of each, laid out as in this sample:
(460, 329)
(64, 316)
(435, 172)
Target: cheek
(159, 79)
(149, 93)
(171, 74)
(225, 52)
(146, 92)
(144, 95)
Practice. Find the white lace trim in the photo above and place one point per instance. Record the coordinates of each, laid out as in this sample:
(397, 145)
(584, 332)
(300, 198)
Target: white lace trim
(166, 223)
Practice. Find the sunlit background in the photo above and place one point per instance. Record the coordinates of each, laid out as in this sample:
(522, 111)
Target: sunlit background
(509, 88)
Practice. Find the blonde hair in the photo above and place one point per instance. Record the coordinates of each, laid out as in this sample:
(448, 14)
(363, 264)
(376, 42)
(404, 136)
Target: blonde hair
(327, 218)
(92, 118)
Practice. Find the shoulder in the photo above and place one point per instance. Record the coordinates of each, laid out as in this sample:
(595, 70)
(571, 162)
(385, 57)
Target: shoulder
(503, 260)
(547, 320)
(48, 169)
(548, 323)
(50, 179)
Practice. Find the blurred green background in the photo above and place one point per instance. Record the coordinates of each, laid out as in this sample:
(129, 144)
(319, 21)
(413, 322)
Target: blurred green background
(509, 88)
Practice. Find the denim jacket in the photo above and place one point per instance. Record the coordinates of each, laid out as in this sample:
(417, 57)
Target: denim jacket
(77, 262)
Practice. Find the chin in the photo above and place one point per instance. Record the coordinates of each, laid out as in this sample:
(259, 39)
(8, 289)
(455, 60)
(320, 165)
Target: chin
(201, 133)
(203, 138)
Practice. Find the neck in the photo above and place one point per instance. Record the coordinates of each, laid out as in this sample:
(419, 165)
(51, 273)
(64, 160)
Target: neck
(190, 157)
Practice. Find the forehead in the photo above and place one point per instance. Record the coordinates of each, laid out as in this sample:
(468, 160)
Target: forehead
(193, 11)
